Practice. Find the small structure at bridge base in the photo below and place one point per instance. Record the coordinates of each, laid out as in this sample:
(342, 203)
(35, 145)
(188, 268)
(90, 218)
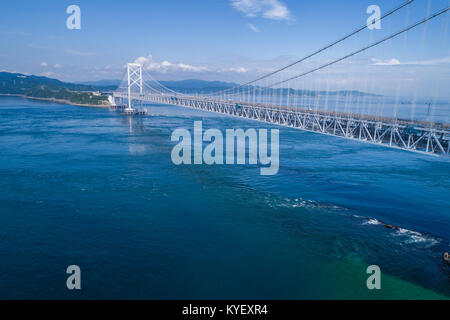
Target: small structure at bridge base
(129, 110)
(132, 112)
(124, 110)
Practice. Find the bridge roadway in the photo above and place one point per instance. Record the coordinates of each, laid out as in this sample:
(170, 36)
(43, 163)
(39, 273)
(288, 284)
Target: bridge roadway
(417, 136)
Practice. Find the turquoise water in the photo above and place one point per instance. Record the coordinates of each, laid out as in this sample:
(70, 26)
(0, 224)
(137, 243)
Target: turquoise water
(89, 187)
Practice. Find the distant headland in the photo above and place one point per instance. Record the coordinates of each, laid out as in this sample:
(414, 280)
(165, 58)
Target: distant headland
(95, 93)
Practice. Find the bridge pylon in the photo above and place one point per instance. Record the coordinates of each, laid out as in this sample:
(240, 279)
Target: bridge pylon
(134, 73)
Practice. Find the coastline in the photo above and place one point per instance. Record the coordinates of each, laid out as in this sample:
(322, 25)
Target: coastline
(58, 101)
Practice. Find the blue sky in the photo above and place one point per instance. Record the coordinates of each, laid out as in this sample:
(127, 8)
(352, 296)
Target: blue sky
(231, 40)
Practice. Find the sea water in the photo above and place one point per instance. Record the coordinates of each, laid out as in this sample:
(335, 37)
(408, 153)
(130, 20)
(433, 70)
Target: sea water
(89, 187)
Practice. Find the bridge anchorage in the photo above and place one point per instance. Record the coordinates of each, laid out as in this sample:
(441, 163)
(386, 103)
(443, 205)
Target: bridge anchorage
(268, 99)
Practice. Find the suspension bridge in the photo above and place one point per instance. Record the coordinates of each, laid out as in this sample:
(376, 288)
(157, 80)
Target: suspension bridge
(277, 98)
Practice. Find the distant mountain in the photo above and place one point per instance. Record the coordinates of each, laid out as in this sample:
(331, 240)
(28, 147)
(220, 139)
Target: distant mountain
(101, 83)
(47, 88)
(197, 84)
(182, 85)
(314, 93)
(16, 83)
(203, 86)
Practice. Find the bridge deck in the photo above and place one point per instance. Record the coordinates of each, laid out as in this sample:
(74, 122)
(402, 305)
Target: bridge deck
(418, 136)
(368, 117)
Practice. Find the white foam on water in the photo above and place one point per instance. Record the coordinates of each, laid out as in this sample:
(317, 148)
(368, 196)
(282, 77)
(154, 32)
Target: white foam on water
(308, 204)
(372, 221)
(407, 236)
(414, 237)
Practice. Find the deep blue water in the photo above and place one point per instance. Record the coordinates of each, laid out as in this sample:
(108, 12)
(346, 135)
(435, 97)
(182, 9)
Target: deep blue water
(89, 187)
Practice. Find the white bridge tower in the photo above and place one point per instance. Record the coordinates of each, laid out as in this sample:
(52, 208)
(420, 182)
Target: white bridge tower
(134, 71)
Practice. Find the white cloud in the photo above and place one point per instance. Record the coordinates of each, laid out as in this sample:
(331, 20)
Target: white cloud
(237, 70)
(253, 28)
(149, 64)
(57, 66)
(187, 67)
(392, 62)
(270, 9)
(43, 64)
(48, 74)
(396, 62)
(165, 66)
